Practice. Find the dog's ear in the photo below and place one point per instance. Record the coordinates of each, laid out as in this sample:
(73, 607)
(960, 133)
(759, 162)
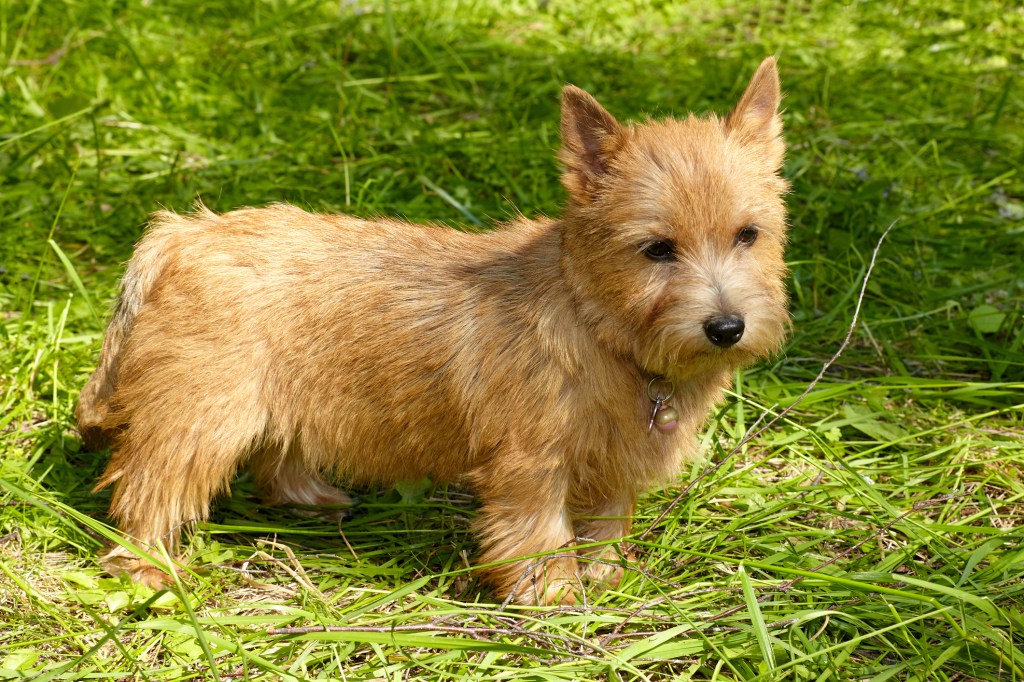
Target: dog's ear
(757, 113)
(590, 136)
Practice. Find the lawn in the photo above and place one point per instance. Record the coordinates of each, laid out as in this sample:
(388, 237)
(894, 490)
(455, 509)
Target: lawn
(872, 533)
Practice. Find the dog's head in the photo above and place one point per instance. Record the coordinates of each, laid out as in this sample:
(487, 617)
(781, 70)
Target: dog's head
(674, 233)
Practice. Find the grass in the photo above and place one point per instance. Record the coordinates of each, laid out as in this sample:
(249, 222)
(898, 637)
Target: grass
(873, 534)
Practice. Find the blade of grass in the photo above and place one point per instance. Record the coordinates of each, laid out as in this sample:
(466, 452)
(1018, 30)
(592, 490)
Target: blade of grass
(757, 619)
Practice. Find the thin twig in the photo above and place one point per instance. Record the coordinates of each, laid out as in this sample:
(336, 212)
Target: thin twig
(54, 57)
(476, 632)
(297, 573)
(916, 507)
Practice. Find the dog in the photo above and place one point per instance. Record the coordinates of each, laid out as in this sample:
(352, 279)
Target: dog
(560, 366)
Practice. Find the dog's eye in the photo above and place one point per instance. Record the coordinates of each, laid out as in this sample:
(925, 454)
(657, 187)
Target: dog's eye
(747, 236)
(659, 250)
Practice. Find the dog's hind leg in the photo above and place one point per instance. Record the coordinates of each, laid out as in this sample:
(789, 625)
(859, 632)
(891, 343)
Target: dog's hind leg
(283, 478)
(170, 460)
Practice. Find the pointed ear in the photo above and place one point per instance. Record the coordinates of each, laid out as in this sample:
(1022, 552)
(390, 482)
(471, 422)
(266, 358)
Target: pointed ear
(590, 136)
(757, 113)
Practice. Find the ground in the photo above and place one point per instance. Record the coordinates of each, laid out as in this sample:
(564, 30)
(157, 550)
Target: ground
(873, 533)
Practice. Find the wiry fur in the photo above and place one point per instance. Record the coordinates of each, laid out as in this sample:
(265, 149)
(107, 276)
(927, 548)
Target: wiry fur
(304, 346)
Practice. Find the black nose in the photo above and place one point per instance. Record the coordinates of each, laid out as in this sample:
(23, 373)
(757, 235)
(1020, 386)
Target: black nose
(724, 331)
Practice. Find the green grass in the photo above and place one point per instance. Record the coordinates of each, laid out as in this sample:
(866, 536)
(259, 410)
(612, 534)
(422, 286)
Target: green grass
(874, 533)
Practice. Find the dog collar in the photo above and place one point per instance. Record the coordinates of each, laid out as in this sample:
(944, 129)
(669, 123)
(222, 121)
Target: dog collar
(665, 417)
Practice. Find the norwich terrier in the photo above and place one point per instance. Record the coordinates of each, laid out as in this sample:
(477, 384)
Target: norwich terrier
(558, 366)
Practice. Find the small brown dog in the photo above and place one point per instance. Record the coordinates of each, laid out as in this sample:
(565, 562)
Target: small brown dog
(560, 366)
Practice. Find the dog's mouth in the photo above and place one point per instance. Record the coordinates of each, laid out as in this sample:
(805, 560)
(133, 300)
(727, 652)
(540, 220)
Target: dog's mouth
(687, 362)
(733, 356)
(686, 349)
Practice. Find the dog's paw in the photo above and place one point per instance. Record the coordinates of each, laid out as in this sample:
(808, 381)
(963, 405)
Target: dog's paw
(555, 582)
(606, 569)
(118, 561)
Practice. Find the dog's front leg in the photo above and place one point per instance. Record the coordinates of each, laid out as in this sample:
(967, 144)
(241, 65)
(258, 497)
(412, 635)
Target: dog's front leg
(524, 513)
(606, 516)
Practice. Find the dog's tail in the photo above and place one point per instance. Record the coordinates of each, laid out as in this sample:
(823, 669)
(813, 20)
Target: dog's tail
(144, 269)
